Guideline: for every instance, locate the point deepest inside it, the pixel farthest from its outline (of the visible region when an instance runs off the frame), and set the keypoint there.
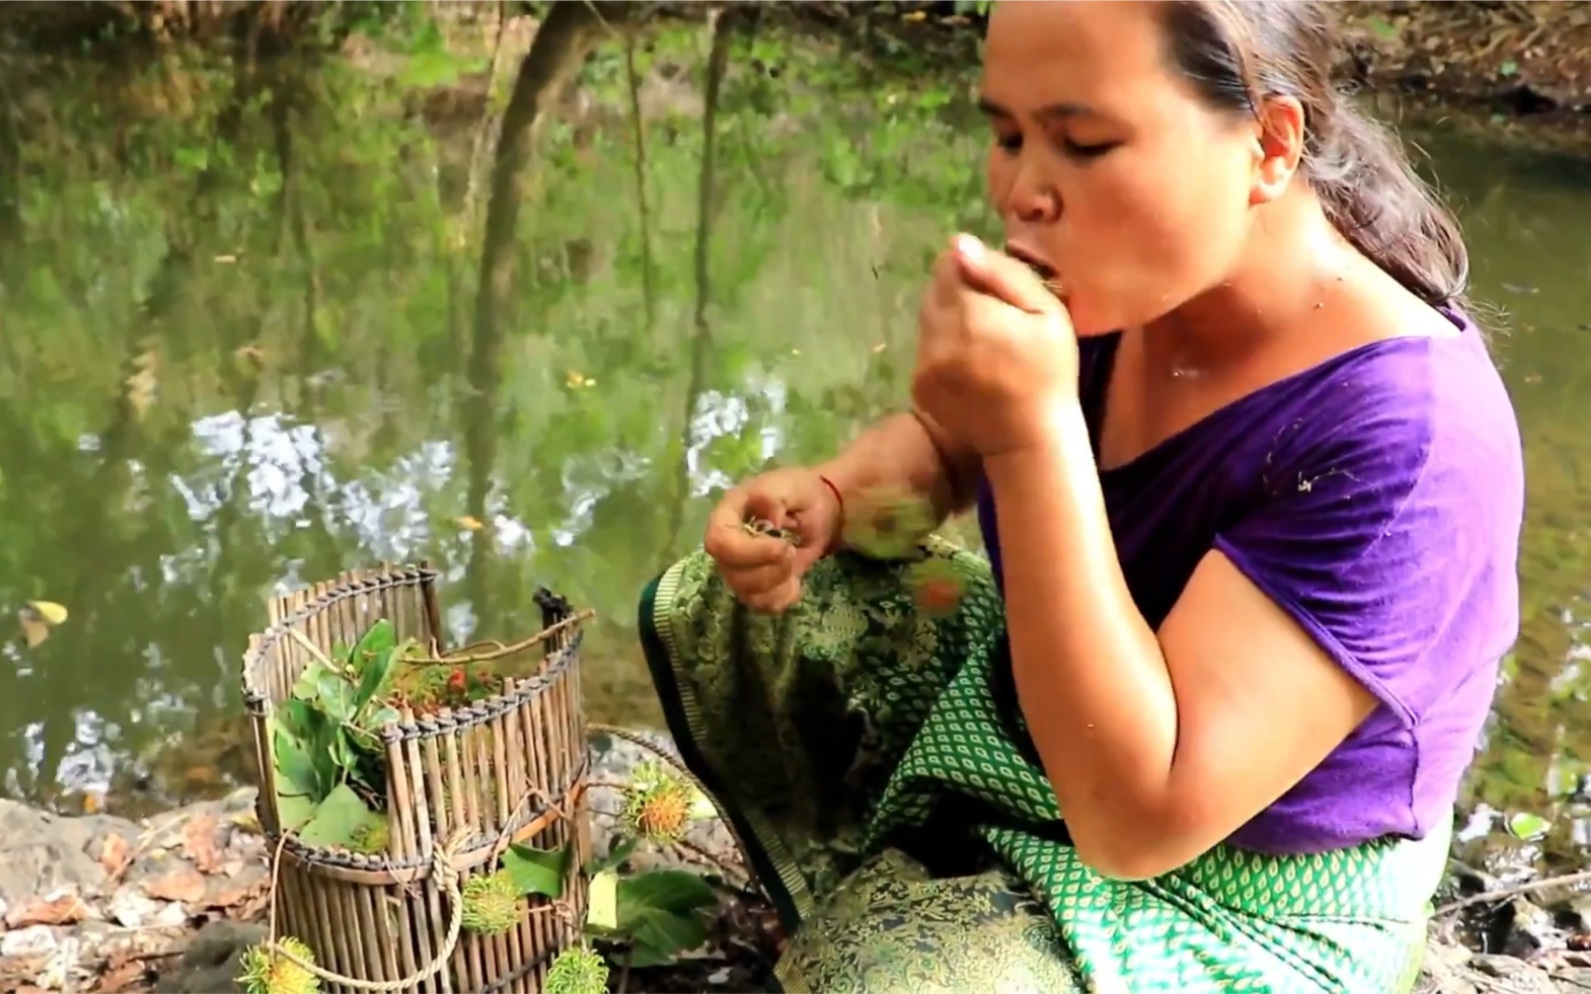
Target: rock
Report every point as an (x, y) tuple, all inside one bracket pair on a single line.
[(62, 906), (212, 960), (34, 940), (41, 852), (180, 883)]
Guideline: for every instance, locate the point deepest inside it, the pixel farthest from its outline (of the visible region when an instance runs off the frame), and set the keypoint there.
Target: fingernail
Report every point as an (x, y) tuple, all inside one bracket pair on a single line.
[(969, 248)]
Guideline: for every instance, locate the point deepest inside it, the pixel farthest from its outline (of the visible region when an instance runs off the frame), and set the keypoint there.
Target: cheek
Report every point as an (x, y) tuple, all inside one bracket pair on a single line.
[(999, 171), (1139, 246)]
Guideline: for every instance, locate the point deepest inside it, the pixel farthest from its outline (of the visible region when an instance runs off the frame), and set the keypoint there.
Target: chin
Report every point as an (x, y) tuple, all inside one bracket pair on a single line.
[(1090, 322)]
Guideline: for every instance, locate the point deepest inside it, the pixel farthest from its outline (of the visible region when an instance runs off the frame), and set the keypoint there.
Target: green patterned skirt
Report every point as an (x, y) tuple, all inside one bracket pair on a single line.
[(865, 748)]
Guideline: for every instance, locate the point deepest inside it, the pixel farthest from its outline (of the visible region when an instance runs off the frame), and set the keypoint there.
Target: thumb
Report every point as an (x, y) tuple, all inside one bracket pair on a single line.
[(999, 275)]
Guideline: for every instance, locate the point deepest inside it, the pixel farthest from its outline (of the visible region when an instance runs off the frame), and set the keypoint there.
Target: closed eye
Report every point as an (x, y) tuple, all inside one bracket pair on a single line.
[(1079, 151)]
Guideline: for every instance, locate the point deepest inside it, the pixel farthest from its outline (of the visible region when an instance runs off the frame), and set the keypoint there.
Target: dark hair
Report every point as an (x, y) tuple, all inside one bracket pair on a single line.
[(1238, 53)]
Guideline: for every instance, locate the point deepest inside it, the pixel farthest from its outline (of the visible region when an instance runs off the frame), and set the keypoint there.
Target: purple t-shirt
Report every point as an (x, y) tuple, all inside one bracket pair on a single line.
[(1378, 499)]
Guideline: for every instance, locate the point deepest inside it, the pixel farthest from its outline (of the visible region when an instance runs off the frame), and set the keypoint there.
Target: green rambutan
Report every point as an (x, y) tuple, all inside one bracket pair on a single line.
[(491, 904), (267, 971), (577, 970)]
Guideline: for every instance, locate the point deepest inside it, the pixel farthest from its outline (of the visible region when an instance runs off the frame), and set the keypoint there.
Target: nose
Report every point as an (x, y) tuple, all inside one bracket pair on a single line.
[(1031, 198)]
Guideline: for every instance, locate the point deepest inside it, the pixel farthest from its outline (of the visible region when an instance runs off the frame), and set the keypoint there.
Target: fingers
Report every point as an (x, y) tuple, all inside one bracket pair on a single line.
[(1001, 276), (762, 570), (731, 545)]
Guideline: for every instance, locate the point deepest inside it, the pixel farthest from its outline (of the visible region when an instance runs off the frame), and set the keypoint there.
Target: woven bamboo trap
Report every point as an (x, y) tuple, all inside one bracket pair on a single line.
[(427, 811)]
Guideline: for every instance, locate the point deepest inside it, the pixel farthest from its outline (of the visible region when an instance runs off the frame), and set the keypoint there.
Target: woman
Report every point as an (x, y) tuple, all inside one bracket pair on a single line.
[(1251, 490)]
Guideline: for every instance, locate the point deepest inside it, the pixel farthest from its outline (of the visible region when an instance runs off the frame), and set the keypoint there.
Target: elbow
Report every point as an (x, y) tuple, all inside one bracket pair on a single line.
[(1117, 862), (1154, 846)]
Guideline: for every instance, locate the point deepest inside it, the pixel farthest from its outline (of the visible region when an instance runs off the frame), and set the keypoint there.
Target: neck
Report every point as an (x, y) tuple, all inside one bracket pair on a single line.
[(1296, 262)]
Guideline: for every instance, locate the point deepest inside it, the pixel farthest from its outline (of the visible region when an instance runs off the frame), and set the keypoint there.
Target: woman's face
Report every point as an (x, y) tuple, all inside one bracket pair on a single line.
[(1103, 165)]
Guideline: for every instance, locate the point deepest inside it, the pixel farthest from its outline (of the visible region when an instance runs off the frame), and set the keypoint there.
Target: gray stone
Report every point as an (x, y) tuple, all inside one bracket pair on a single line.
[(42, 852), (34, 940), (212, 961)]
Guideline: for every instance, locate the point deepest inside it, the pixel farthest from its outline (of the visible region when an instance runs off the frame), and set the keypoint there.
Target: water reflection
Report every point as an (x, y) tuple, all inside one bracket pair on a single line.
[(250, 340)]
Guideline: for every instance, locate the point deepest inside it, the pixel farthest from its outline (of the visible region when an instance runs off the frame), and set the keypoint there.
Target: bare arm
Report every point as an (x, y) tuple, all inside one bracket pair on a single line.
[(1159, 744), (909, 449)]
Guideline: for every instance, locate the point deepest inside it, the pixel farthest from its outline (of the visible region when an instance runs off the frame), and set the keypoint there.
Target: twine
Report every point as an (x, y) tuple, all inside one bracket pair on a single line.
[(447, 874)]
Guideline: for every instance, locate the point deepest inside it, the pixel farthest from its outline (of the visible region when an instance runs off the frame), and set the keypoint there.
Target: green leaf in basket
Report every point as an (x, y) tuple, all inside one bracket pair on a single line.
[(378, 638), (340, 820), (538, 871), (372, 662), (334, 696), (602, 901), (294, 810), (293, 766)]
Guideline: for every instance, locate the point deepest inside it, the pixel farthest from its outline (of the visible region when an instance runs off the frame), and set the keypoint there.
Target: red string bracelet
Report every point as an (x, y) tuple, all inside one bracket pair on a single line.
[(840, 524)]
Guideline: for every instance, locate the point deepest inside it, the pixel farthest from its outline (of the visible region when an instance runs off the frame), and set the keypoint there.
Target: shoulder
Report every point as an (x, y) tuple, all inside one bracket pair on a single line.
[(1396, 427)]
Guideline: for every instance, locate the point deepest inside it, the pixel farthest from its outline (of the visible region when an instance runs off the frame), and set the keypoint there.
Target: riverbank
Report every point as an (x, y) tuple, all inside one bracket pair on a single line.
[(97, 903)]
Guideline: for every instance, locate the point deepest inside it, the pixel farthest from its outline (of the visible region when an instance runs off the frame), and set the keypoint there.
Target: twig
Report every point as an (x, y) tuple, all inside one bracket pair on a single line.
[(1504, 893), (729, 870), (624, 968), (458, 657)]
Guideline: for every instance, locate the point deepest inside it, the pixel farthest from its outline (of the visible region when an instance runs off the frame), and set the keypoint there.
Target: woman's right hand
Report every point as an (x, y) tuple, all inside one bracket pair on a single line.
[(765, 571)]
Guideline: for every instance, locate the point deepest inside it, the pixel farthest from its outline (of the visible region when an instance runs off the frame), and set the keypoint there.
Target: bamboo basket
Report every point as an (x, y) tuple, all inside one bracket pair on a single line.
[(456, 775)]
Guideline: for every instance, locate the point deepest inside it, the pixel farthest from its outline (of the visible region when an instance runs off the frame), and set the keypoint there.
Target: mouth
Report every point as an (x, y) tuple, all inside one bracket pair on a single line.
[(1041, 269)]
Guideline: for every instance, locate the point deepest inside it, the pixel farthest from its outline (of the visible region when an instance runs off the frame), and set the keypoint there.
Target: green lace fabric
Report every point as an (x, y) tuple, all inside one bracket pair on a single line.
[(861, 749)]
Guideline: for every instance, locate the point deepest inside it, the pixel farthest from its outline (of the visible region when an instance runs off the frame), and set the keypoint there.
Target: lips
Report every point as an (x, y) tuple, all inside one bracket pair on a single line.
[(1032, 259)]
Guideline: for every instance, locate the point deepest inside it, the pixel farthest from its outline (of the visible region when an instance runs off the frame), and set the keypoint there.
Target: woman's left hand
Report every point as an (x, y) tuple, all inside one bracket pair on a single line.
[(996, 353)]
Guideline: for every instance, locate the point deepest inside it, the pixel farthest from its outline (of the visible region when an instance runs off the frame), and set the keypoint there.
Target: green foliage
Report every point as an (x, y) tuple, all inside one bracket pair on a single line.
[(657, 914), (325, 743)]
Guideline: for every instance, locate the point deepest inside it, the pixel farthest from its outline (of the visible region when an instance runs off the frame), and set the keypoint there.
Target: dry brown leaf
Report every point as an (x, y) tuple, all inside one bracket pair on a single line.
[(37, 618), (231, 897), (198, 842), (185, 885), (115, 853), (63, 909)]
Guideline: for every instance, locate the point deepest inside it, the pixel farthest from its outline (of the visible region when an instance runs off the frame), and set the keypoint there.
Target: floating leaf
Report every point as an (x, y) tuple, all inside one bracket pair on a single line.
[(538, 871), (37, 618)]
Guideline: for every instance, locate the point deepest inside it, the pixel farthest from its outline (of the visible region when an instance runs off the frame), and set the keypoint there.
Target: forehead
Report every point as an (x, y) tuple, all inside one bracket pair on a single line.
[(1108, 55)]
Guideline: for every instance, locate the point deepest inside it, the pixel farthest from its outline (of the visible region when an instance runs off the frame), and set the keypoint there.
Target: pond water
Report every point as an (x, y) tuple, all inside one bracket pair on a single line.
[(242, 350)]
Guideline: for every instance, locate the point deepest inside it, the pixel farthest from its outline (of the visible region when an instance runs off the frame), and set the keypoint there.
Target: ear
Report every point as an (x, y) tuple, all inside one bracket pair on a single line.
[(1279, 147)]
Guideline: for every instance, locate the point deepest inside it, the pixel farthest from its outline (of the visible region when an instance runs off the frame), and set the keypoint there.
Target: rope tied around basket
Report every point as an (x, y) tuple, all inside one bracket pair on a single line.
[(447, 874)]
